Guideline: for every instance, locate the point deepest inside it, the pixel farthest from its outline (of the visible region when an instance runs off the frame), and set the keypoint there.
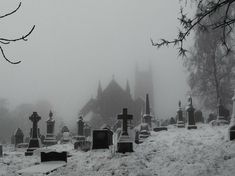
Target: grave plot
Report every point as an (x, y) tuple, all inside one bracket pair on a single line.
[(50, 162)]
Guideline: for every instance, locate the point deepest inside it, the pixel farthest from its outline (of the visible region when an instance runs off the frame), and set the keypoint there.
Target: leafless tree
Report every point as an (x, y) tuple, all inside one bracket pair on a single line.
[(205, 9), (6, 41)]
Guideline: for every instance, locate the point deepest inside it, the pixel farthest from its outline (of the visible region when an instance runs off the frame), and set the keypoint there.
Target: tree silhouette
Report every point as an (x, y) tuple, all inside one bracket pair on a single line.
[(6, 41), (205, 9)]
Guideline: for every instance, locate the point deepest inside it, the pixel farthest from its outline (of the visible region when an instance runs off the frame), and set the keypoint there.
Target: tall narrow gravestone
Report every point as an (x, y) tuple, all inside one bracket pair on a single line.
[(190, 113), (34, 142), (180, 120), (221, 113), (147, 118), (232, 122), (80, 124), (50, 137), (1, 150), (18, 137), (124, 143)]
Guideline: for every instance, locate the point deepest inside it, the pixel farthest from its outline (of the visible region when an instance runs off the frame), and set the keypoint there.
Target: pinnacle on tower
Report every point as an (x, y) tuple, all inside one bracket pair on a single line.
[(147, 109)]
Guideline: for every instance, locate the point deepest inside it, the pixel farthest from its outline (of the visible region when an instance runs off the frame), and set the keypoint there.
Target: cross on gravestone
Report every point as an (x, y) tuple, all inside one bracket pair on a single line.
[(124, 143), (35, 119), (34, 142), (125, 117)]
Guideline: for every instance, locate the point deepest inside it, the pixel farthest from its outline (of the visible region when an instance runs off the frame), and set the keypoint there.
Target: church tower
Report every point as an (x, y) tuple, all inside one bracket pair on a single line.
[(144, 85)]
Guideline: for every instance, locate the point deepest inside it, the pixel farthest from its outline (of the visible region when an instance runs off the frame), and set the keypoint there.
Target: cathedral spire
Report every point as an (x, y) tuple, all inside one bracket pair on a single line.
[(147, 109), (128, 90), (99, 91)]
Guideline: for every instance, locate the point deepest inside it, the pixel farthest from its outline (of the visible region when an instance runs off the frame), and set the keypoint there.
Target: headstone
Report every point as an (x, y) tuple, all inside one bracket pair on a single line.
[(65, 135), (50, 136), (100, 139), (198, 116), (110, 134), (124, 143), (87, 130), (232, 122), (80, 124), (144, 132), (34, 142), (19, 136), (180, 120), (221, 113), (190, 114), (147, 117), (27, 139), (1, 150)]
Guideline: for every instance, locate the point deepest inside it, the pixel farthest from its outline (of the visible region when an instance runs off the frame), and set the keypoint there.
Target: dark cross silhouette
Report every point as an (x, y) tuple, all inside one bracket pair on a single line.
[(124, 117), (35, 118)]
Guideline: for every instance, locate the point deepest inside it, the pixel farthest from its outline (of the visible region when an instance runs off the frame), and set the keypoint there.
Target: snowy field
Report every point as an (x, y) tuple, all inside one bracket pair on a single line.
[(176, 152)]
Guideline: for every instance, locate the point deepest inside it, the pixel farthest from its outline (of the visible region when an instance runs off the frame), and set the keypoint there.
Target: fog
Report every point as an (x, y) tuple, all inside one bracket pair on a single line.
[(77, 43)]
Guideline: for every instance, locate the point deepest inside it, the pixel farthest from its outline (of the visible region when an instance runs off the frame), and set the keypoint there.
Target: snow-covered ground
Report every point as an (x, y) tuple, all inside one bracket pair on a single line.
[(205, 152)]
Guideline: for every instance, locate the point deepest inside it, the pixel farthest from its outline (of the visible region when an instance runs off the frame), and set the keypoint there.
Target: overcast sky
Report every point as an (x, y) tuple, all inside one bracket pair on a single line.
[(76, 43)]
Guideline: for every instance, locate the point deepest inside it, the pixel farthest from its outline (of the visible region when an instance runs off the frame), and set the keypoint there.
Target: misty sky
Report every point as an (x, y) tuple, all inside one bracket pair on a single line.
[(76, 43)]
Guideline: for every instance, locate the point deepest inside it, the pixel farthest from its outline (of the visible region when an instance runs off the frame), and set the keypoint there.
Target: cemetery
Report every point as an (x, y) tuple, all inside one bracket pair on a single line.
[(145, 153), (86, 90)]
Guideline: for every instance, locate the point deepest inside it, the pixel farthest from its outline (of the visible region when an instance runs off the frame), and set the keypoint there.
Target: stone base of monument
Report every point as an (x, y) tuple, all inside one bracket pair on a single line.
[(180, 124), (232, 133), (124, 144), (50, 140), (192, 127), (33, 145), (157, 129)]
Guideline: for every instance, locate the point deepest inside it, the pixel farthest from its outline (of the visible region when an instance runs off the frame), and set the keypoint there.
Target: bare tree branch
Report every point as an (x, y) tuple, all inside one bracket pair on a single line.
[(4, 56), (3, 16)]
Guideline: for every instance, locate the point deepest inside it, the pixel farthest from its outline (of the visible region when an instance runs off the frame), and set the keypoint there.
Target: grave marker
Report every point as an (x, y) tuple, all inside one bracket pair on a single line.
[(147, 118), (180, 120), (190, 113), (34, 142), (124, 143), (18, 137), (232, 122), (1, 150), (50, 137)]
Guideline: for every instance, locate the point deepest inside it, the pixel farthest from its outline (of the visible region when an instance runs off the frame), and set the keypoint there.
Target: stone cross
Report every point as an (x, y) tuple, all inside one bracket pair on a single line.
[(35, 118), (125, 117)]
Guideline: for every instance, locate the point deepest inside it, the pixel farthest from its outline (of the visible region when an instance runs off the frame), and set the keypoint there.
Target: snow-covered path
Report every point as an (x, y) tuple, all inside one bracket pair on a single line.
[(177, 152)]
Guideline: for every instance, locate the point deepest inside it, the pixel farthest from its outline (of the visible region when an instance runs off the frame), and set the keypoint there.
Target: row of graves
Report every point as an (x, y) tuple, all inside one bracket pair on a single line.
[(103, 138)]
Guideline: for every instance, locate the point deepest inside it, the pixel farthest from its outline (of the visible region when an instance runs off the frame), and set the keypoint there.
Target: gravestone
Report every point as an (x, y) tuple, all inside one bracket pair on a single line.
[(1, 152), (80, 124), (65, 135), (124, 143), (232, 122), (19, 136), (50, 136), (222, 112), (190, 113), (144, 132), (100, 139), (80, 138), (34, 142), (110, 134), (147, 118), (87, 130), (180, 120)]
